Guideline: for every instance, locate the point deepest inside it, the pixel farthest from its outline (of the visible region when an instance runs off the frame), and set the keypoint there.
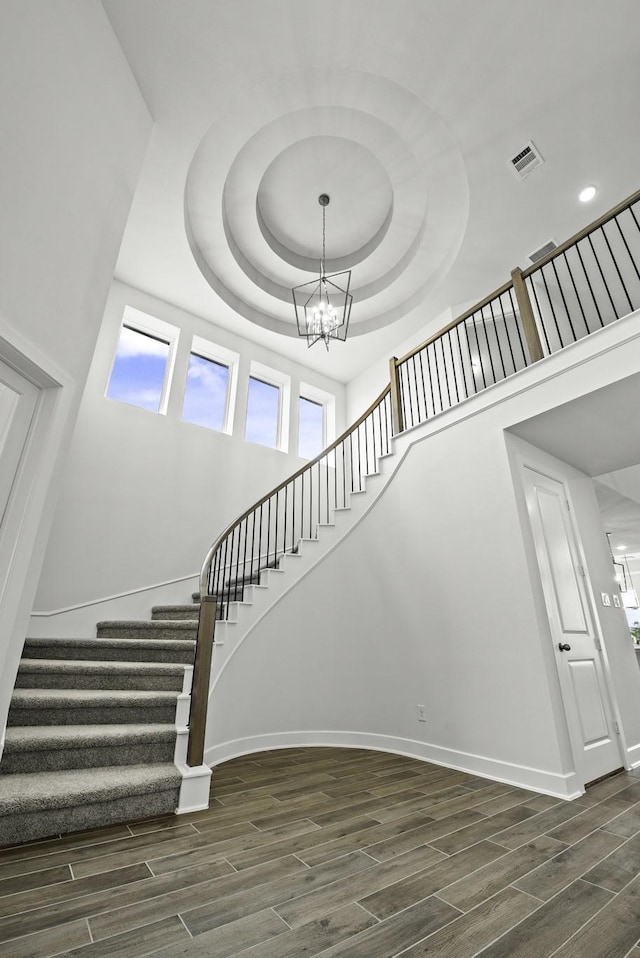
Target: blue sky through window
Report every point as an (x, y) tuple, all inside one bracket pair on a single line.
[(205, 397), (263, 403), (310, 428), (139, 369)]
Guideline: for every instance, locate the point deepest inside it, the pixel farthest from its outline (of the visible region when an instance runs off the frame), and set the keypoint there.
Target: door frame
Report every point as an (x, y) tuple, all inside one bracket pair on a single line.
[(29, 510)]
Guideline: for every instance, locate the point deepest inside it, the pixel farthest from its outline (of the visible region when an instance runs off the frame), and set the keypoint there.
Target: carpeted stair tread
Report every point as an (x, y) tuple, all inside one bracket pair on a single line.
[(191, 607), (98, 698), (29, 792), (159, 649), (96, 665), (46, 737), (158, 628), (154, 626)]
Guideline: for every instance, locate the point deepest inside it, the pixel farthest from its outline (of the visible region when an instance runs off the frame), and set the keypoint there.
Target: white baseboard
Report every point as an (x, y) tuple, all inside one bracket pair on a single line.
[(520, 776), (633, 756)]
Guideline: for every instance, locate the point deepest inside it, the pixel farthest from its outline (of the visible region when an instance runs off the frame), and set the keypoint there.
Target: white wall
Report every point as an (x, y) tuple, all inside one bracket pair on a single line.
[(431, 599), (144, 495), (74, 132)]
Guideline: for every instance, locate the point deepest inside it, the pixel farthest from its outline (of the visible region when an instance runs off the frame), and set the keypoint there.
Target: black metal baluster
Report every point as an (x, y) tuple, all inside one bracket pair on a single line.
[(564, 301), (409, 390), (433, 398), (615, 263), (424, 391), (495, 328), (464, 375), (575, 290), (221, 591), (586, 276), (444, 368), (626, 246), (489, 351), (606, 286), (553, 312), (480, 363), (431, 362), (344, 473), (245, 523), (453, 366), (506, 329)]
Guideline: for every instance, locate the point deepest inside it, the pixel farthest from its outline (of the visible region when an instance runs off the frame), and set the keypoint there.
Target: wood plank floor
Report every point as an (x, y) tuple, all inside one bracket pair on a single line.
[(344, 854)]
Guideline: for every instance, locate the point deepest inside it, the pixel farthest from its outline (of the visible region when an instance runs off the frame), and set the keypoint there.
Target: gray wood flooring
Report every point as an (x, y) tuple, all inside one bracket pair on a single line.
[(344, 854)]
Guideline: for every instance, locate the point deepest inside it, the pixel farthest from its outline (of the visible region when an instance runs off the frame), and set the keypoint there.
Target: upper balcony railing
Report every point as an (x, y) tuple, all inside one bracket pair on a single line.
[(583, 285), (580, 287)]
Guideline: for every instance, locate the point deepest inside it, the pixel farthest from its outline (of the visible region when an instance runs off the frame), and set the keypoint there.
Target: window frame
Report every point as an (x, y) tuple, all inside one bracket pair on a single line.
[(282, 382), (157, 329), (204, 349), (328, 402)]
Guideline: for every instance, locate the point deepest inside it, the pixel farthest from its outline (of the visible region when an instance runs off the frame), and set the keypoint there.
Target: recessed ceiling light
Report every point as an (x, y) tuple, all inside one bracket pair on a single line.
[(621, 547), (587, 194)]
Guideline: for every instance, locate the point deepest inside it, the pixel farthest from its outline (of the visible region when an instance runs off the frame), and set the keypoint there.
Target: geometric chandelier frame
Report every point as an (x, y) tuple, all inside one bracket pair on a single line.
[(323, 305)]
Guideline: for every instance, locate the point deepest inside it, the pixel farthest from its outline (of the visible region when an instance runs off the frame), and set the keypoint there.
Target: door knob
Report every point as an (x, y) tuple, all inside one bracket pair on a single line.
[(564, 647)]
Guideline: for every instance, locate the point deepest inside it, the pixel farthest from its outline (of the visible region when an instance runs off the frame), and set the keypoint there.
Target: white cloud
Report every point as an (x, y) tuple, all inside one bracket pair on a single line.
[(133, 343)]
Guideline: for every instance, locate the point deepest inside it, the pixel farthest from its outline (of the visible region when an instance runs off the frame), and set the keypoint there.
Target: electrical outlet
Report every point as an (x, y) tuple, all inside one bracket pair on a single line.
[(421, 716)]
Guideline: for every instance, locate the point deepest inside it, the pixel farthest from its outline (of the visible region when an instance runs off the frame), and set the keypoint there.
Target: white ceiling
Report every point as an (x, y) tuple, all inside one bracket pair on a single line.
[(406, 112)]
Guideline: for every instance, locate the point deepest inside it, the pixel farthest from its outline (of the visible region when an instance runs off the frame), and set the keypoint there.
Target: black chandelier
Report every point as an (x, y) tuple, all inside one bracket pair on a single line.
[(323, 306)]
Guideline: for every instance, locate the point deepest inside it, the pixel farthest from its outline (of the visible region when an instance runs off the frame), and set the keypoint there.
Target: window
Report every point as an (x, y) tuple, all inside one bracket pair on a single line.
[(263, 413), (310, 428), (143, 362), (316, 420), (268, 400), (205, 397)]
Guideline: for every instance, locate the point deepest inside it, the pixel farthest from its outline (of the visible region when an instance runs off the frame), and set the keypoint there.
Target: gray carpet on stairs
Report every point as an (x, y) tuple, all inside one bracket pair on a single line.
[(91, 732)]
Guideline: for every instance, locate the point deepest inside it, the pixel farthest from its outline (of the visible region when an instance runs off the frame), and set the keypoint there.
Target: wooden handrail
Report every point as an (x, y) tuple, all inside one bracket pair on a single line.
[(613, 212), (452, 325), (236, 522)]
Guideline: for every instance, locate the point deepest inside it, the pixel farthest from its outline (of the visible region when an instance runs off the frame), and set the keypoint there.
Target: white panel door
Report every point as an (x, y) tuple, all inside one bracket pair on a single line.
[(18, 400), (586, 699)]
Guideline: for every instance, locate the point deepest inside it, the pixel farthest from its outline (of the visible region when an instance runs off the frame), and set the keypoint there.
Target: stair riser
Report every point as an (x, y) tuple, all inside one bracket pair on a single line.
[(87, 715), (65, 680), (113, 654), (27, 827), (174, 615), (56, 760), (145, 632)]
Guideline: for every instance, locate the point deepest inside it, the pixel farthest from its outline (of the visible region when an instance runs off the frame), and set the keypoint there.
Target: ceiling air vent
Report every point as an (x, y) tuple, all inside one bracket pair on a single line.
[(526, 160), (539, 254)]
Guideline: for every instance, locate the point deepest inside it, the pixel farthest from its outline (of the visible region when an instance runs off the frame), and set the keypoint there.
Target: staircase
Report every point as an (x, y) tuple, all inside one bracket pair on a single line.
[(96, 726)]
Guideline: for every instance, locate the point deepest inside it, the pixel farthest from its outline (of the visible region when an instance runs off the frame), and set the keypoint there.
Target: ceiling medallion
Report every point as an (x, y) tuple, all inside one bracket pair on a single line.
[(323, 306)]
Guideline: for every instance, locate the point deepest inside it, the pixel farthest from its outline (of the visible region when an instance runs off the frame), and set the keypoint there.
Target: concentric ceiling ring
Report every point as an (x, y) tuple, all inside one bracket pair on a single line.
[(399, 196)]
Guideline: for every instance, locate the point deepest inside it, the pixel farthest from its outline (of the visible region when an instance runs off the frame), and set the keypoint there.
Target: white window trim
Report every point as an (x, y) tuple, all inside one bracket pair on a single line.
[(226, 357), (283, 383), (328, 402), (158, 329)]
